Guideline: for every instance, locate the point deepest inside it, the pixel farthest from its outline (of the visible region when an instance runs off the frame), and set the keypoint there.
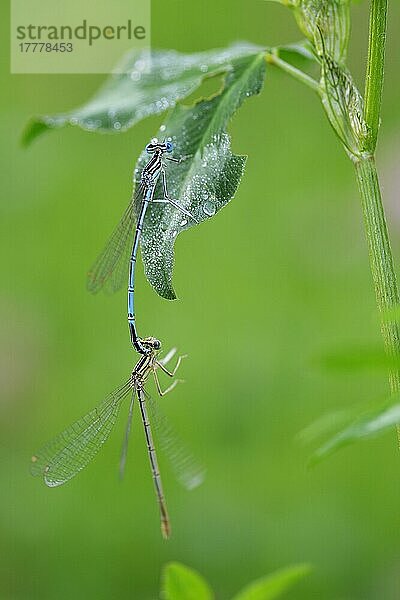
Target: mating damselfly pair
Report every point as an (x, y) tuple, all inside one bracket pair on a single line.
[(67, 454)]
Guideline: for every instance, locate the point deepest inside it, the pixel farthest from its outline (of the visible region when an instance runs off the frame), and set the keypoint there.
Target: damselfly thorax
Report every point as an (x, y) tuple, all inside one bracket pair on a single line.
[(147, 364)]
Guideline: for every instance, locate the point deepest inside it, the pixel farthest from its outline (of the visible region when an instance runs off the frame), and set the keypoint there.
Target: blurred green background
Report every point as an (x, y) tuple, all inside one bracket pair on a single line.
[(276, 281)]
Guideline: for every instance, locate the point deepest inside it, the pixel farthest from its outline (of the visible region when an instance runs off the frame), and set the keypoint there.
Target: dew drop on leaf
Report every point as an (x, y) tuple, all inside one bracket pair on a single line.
[(209, 208)]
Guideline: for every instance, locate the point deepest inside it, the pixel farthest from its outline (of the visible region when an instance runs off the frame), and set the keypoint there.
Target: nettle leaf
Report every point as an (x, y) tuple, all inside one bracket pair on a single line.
[(182, 583), (368, 425), (207, 179), (145, 83), (274, 585)]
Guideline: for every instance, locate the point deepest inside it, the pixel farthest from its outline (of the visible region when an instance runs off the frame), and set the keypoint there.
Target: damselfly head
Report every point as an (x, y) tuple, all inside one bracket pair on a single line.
[(167, 144), (152, 343), (164, 146), (152, 146)]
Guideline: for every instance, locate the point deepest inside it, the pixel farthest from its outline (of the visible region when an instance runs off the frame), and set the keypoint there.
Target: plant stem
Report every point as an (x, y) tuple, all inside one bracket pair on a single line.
[(273, 59), (375, 71), (381, 259), (380, 253)]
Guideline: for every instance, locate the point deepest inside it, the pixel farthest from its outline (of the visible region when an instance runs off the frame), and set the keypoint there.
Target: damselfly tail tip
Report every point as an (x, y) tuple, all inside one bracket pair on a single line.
[(165, 529)]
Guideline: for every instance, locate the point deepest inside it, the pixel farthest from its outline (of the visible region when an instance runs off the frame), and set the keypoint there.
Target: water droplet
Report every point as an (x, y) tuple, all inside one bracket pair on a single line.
[(209, 208), (163, 128), (184, 222), (117, 125), (141, 65)]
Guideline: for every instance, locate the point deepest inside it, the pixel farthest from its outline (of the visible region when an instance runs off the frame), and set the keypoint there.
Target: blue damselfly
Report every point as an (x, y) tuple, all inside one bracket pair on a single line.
[(68, 453), (109, 269)]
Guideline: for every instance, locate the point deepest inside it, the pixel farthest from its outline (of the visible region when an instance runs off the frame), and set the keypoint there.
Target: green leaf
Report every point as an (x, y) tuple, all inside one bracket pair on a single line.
[(145, 83), (207, 179), (35, 128), (326, 424), (274, 585), (182, 583), (369, 425)]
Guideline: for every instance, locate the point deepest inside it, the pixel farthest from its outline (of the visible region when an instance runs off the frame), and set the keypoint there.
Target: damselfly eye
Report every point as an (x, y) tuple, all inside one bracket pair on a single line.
[(157, 344), (169, 146)]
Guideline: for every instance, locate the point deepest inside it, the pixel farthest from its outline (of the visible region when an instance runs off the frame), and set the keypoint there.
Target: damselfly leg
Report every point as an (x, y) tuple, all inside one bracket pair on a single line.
[(162, 366), (172, 202)]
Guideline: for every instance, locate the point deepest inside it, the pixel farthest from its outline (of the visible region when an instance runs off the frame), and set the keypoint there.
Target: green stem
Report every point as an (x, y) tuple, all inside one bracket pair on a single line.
[(381, 259), (274, 59), (375, 71), (380, 253)]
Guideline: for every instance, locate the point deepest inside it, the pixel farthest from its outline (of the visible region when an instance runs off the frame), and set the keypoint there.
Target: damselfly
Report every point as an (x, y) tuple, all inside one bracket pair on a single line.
[(69, 452), (109, 268)]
